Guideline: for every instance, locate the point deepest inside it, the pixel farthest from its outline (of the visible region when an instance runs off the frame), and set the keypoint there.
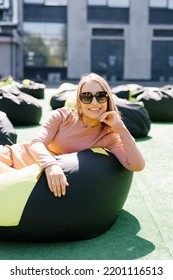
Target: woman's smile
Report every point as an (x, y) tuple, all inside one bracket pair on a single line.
[(94, 109), (91, 112)]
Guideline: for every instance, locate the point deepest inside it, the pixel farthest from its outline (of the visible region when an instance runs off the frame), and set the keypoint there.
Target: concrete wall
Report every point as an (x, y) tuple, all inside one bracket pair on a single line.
[(78, 39), (137, 42), (5, 59), (11, 50), (11, 62), (137, 38)]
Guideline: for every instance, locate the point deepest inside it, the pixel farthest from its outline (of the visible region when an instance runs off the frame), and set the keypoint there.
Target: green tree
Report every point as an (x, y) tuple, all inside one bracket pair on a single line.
[(37, 47)]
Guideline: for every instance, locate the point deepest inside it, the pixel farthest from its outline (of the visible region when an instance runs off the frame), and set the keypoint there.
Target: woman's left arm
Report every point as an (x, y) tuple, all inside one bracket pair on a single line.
[(122, 144)]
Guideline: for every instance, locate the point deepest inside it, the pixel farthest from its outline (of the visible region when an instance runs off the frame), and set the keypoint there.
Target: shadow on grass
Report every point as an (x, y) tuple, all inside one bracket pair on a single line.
[(162, 122), (120, 242), (26, 127), (143, 139)]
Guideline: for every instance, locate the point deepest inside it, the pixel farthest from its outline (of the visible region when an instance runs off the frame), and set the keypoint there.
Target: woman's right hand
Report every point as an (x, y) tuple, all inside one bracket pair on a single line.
[(56, 179)]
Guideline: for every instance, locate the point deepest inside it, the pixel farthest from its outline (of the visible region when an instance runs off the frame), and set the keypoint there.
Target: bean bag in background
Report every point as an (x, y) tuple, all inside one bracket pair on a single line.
[(121, 91), (63, 93), (125, 91), (98, 188), (8, 135), (135, 94), (135, 117), (21, 109), (33, 89), (158, 102), (6, 81), (168, 88)]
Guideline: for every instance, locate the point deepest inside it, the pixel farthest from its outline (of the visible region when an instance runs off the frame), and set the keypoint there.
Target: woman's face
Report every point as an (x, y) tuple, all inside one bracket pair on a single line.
[(91, 112)]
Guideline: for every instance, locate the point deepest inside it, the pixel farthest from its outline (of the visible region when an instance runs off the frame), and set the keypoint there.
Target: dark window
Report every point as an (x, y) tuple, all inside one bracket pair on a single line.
[(107, 32), (41, 13), (162, 60), (108, 15), (163, 33), (107, 58), (160, 16)]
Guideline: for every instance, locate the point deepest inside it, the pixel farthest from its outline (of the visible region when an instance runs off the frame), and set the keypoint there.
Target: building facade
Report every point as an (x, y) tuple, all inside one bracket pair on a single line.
[(119, 39), (11, 38)]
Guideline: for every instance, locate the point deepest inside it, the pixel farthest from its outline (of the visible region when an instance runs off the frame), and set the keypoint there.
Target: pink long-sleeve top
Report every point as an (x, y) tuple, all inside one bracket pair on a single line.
[(64, 132)]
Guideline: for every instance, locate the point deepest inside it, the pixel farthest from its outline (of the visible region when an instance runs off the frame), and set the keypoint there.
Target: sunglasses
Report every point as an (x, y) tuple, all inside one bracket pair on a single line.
[(87, 97)]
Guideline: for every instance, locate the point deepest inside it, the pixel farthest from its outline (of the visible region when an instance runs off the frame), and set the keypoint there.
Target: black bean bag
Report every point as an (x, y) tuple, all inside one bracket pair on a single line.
[(65, 91), (167, 88), (33, 89), (125, 91), (98, 188), (20, 108), (135, 117), (8, 135), (158, 102)]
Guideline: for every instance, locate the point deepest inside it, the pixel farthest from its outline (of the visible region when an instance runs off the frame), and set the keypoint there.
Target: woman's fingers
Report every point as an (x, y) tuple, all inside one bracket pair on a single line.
[(57, 181), (63, 184), (110, 118), (107, 117), (55, 185), (58, 185)]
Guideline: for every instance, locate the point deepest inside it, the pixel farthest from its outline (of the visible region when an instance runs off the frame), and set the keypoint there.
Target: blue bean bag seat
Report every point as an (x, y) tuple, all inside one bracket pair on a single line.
[(98, 188)]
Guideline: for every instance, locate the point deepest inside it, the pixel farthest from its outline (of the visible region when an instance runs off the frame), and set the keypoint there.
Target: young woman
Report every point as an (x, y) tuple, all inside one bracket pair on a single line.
[(95, 122)]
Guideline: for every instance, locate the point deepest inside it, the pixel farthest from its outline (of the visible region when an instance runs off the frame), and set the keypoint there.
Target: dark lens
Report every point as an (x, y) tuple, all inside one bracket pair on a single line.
[(101, 96), (86, 97)]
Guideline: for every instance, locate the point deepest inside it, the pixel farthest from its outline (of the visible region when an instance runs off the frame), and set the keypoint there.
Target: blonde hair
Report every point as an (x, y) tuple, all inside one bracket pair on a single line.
[(97, 78)]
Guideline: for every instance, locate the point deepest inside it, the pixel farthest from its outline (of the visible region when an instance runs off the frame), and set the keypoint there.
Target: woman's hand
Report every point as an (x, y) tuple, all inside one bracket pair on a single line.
[(56, 179), (111, 119)]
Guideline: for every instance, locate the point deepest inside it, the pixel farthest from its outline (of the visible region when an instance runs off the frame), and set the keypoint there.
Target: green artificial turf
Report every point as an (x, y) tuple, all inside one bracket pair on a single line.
[(144, 230)]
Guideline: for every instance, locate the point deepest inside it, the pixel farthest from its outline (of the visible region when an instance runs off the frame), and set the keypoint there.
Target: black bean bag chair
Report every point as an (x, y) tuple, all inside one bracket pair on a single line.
[(65, 91), (125, 91), (135, 117), (8, 135), (98, 188), (167, 88), (33, 89), (21, 109), (158, 102)]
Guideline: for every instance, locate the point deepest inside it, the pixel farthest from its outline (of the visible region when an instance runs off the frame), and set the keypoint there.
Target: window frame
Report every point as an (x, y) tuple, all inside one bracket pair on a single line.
[(110, 3), (168, 4)]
